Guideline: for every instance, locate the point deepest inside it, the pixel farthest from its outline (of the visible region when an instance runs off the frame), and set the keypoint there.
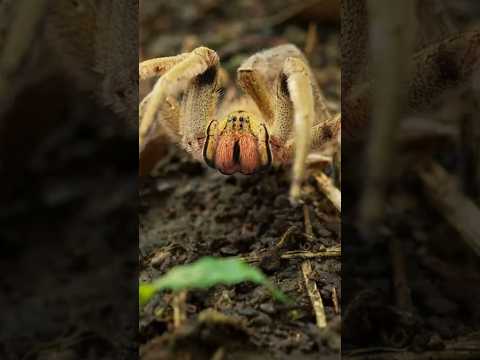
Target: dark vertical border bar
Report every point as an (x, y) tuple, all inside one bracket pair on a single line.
[(68, 176)]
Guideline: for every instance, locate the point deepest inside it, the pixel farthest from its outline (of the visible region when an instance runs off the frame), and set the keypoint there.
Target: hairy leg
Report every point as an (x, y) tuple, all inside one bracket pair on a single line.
[(300, 90), (176, 74), (198, 109), (158, 66), (168, 114)]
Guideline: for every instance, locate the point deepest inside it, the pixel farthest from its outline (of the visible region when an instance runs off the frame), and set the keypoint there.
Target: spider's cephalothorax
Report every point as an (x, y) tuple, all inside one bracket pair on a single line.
[(278, 120), (238, 143)]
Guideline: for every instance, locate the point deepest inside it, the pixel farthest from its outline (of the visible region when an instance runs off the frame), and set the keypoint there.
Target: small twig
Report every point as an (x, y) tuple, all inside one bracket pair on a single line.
[(307, 222), (179, 309), (314, 294), (336, 306), (328, 188), (330, 252), (311, 285), (460, 211), (334, 251), (285, 236)]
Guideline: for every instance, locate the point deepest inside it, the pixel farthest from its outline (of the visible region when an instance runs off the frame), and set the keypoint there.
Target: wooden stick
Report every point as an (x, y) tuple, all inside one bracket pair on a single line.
[(334, 251), (336, 306), (311, 285), (314, 294), (179, 308), (328, 188)]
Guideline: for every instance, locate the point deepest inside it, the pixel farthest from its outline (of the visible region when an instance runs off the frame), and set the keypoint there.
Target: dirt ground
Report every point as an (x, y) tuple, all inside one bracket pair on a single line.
[(188, 211)]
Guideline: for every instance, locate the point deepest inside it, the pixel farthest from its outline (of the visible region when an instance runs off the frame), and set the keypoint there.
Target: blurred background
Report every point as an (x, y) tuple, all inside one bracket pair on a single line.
[(411, 179)]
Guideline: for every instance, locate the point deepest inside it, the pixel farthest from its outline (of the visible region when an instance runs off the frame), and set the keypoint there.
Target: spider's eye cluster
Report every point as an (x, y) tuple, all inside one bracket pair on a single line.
[(237, 144)]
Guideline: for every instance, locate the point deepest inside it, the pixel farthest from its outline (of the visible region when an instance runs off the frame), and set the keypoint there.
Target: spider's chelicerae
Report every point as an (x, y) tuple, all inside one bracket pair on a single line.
[(281, 118)]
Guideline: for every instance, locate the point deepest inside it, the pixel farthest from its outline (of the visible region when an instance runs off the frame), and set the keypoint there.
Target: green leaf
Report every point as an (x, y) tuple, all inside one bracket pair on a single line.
[(145, 292), (205, 273)]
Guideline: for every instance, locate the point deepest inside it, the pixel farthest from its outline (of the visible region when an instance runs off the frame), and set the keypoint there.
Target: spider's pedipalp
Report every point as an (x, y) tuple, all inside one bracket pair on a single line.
[(255, 85)]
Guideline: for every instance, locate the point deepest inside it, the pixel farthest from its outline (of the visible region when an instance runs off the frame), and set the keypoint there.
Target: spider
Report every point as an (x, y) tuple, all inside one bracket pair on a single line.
[(281, 117)]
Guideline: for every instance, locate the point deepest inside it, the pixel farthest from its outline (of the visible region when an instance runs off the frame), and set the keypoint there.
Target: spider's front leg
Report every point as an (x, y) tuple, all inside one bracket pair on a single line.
[(314, 127), (196, 74), (300, 90)]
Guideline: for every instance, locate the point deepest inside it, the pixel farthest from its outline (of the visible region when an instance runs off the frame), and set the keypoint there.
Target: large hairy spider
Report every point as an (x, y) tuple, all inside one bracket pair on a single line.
[(280, 120)]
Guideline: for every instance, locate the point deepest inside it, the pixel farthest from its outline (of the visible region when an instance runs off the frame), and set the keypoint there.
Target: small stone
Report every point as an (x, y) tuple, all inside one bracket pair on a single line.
[(229, 250), (268, 308)]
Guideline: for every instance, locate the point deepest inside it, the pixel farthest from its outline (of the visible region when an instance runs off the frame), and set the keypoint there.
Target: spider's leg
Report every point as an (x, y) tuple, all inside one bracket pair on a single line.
[(158, 66), (198, 108), (177, 72), (168, 114), (299, 85)]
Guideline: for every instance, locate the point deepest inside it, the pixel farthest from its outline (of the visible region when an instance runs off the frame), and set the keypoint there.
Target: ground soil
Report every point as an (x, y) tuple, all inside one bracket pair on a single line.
[(189, 211)]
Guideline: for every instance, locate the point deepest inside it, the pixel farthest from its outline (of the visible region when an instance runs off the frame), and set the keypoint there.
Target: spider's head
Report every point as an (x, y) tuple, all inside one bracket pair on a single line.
[(238, 143)]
